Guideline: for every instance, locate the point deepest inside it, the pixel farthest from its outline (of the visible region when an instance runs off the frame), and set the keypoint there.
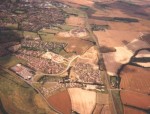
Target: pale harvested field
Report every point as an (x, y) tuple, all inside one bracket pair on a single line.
[(135, 99), (137, 44), (143, 53), (115, 38), (102, 98), (90, 56), (130, 110), (147, 64), (114, 60), (79, 2), (83, 101), (75, 21)]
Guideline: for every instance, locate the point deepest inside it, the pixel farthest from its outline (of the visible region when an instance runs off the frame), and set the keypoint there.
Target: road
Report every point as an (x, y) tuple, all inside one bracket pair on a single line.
[(106, 76), (33, 88)]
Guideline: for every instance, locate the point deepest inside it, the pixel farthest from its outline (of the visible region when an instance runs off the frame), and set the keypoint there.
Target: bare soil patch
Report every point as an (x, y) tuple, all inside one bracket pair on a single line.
[(143, 53), (131, 110), (135, 99), (102, 98), (114, 60), (135, 79), (61, 102), (79, 2), (75, 21), (90, 56), (137, 44), (115, 38)]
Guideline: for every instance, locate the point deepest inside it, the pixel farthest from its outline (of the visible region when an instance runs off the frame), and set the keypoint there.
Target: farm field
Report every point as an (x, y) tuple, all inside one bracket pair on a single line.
[(74, 56), (57, 101)]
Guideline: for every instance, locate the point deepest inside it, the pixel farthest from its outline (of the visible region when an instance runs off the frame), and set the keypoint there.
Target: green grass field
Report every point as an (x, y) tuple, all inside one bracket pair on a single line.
[(10, 60), (74, 11), (47, 37), (16, 96), (28, 34)]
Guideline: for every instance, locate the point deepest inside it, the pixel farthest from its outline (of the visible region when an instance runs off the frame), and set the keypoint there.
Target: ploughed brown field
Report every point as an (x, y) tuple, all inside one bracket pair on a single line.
[(135, 79), (101, 109), (98, 109), (131, 110), (135, 89), (135, 99), (75, 21), (61, 102)]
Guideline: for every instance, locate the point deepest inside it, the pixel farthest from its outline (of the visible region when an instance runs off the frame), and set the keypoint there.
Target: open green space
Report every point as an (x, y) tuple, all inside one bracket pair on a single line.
[(17, 96), (11, 26), (47, 37), (74, 11), (28, 34), (10, 60), (66, 27)]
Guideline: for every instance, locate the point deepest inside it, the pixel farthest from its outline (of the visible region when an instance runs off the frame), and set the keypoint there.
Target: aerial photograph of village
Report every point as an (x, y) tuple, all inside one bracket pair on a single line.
[(74, 56)]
